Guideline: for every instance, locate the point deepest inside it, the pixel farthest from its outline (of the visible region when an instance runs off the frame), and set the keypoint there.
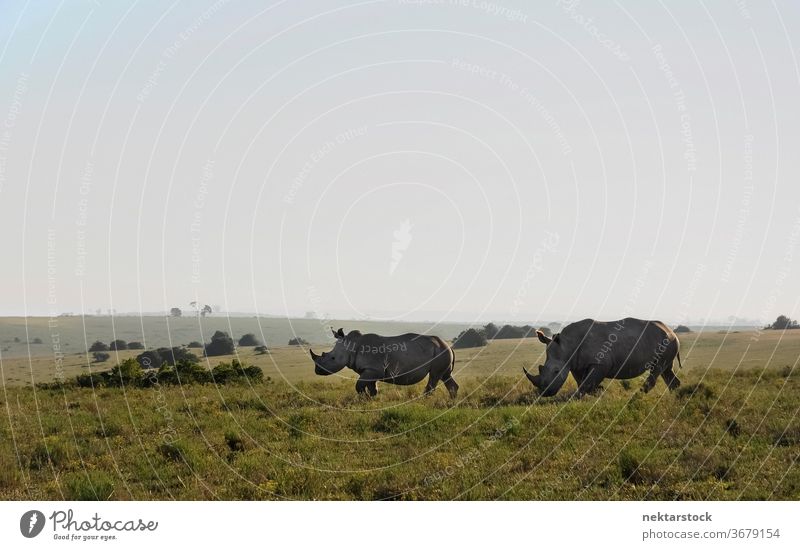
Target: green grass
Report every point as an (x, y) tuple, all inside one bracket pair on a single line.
[(731, 432), (319, 440)]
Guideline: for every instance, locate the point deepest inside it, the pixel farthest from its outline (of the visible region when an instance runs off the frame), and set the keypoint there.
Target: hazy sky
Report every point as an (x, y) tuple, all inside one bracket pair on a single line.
[(405, 159)]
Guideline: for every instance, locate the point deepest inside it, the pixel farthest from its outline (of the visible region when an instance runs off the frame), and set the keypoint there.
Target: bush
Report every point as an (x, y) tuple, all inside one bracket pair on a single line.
[(510, 331), (261, 350), (130, 373), (36, 341), (153, 359), (298, 342), (194, 344), (249, 340), (98, 346), (221, 344), (470, 338), (490, 330), (101, 356), (783, 323), (682, 329), (126, 373), (135, 345), (118, 345), (235, 372)]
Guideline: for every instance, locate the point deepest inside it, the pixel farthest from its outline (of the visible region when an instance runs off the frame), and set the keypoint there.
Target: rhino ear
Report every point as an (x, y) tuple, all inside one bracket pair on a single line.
[(340, 334), (334, 333), (542, 338)]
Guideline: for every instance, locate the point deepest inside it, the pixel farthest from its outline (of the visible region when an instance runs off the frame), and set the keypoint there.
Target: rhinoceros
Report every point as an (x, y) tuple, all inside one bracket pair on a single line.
[(594, 350), (401, 360)]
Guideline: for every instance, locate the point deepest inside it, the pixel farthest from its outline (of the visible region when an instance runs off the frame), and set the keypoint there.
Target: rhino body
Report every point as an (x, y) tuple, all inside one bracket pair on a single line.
[(403, 360), (595, 350)]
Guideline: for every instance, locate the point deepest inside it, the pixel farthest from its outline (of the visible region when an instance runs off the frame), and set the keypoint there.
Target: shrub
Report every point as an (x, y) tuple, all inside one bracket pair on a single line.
[(135, 345), (194, 344), (510, 331), (150, 359), (235, 371), (470, 338), (490, 330), (129, 372), (154, 359), (183, 372), (783, 323), (36, 341), (101, 356), (221, 344), (298, 342), (118, 345), (261, 350), (98, 346), (249, 340), (682, 329)]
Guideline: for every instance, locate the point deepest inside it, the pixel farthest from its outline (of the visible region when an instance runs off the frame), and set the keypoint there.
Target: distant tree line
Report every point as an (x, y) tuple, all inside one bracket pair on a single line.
[(477, 337)]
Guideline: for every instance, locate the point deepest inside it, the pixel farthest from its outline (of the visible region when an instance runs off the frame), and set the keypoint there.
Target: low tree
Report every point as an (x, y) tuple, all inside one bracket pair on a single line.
[(682, 329), (135, 345), (298, 342), (261, 350), (490, 330), (470, 338), (249, 340), (206, 310), (783, 323), (98, 346), (101, 356), (194, 344), (175, 312), (118, 345), (221, 344)]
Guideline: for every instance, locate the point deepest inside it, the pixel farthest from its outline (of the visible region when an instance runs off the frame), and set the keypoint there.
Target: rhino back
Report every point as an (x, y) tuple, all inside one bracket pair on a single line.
[(625, 346)]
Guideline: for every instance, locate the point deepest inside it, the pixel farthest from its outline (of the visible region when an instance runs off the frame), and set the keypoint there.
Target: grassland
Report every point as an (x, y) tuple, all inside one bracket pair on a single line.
[(732, 432)]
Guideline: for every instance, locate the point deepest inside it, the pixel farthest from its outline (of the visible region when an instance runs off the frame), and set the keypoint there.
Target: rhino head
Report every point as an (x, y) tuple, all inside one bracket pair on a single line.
[(339, 357), (555, 370)]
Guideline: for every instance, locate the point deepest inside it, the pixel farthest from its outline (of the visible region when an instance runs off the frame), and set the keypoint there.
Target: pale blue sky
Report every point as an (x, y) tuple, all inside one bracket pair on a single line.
[(554, 160)]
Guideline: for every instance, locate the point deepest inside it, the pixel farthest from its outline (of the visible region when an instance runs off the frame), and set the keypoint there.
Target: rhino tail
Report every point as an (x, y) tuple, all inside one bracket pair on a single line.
[(678, 355)]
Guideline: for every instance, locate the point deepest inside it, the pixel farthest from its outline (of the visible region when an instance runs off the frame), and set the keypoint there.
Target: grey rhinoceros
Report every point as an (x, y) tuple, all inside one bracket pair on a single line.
[(401, 360), (594, 350)]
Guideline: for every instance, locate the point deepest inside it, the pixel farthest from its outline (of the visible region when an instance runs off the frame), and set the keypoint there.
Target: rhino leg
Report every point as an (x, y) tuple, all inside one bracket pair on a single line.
[(366, 387), (589, 380), (651, 380), (431, 385), (451, 386), (669, 377)]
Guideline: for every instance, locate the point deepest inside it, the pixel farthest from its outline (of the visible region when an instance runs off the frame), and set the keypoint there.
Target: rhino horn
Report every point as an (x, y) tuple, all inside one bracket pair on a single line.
[(313, 355), (534, 379)]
